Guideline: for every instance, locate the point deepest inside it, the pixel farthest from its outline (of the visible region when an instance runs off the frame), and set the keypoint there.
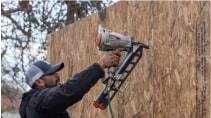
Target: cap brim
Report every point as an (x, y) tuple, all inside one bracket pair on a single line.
[(55, 68)]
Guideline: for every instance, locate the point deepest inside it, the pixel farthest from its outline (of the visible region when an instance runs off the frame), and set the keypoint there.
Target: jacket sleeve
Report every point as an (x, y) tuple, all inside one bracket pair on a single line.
[(58, 98)]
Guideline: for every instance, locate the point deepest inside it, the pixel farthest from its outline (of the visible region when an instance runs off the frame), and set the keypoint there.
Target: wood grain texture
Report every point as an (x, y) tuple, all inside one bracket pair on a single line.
[(173, 77)]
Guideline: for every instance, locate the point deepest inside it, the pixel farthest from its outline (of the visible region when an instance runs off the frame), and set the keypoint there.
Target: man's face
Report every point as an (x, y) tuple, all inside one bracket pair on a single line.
[(51, 80)]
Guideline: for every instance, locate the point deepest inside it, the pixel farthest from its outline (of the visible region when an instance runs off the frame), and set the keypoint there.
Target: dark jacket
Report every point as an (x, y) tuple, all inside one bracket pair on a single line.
[(53, 102)]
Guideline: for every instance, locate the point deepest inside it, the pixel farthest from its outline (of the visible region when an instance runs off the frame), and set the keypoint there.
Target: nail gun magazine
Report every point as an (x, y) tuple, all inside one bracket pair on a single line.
[(116, 76)]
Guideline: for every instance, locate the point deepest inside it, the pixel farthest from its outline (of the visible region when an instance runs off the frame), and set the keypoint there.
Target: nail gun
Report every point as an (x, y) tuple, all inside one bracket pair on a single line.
[(116, 76)]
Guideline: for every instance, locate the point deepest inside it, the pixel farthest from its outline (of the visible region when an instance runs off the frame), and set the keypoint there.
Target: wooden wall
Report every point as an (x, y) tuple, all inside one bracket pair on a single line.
[(173, 77)]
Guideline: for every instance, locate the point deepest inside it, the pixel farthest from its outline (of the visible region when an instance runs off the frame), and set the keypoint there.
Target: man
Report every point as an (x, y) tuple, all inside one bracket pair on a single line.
[(48, 99)]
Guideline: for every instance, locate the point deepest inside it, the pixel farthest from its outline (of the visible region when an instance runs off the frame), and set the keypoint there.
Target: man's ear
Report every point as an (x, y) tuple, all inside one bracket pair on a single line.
[(40, 83)]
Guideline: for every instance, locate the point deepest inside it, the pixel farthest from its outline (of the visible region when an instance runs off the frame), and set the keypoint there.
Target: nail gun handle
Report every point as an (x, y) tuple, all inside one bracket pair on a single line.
[(144, 45)]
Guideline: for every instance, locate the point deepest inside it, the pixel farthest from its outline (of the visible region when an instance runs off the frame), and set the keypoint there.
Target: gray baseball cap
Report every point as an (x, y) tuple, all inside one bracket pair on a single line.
[(39, 69)]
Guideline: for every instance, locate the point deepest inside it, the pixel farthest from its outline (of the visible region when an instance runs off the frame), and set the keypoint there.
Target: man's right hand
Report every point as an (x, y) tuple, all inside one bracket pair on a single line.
[(110, 60)]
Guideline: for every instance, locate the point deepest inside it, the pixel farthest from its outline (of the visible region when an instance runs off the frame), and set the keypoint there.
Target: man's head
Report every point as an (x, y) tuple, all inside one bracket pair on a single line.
[(42, 74), (47, 81)]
